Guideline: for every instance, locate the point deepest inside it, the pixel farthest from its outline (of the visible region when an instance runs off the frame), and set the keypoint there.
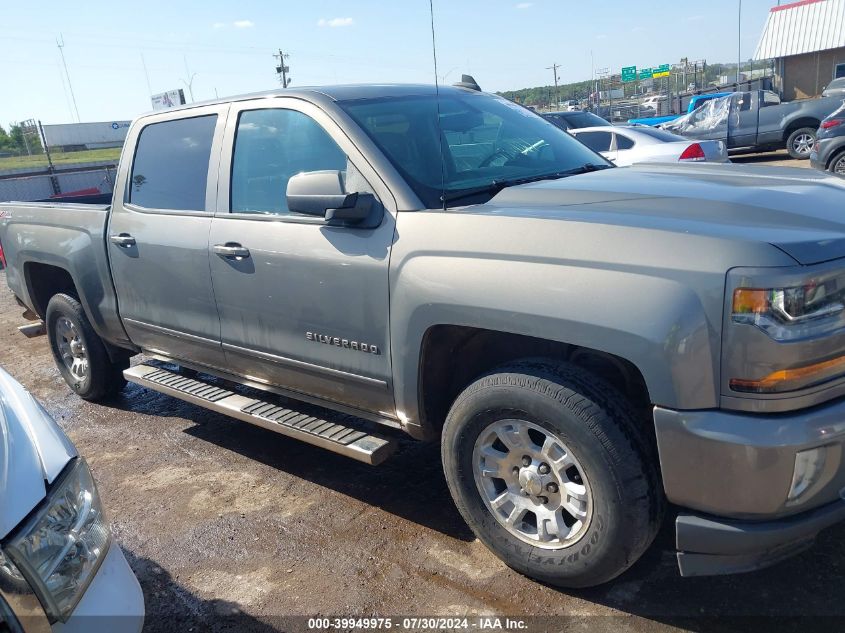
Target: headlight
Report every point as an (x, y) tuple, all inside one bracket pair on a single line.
[(60, 548), (788, 314)]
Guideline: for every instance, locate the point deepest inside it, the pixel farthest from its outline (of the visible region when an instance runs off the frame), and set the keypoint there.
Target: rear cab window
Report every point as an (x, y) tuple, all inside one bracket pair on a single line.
[(170, 167)]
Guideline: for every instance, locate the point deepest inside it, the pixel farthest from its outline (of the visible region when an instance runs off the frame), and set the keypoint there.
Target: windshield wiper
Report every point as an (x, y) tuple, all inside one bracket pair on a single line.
[(497, 185), (587, 168)]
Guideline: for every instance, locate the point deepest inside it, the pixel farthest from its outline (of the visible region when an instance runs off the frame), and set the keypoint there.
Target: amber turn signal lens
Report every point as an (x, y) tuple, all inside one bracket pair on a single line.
[(750, 301), (791, 379)]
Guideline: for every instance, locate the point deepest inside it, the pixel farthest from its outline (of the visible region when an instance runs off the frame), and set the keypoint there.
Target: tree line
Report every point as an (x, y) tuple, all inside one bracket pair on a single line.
[(13, 141)]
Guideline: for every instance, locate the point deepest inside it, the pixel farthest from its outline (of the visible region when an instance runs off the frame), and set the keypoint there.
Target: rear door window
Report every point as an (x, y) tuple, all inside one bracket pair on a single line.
[(596, 141), (623, 142), (170, 169)]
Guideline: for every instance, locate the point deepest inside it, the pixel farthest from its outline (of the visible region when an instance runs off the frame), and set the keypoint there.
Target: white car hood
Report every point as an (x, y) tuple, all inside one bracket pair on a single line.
[(33, 451)]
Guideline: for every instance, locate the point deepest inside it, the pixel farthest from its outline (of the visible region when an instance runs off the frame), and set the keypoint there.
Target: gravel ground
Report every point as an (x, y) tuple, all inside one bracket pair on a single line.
[(231, 528), (776, 159)]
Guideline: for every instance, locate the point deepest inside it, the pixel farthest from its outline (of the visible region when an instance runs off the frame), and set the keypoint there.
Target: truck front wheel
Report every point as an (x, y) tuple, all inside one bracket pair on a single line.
[(550, 470), (79, 353)]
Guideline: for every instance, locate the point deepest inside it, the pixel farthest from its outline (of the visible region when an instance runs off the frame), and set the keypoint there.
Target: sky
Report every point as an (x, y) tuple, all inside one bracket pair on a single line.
[(226, 47)]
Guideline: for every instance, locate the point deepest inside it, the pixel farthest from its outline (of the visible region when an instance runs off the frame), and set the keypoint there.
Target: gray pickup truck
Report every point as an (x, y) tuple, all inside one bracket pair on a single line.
[(588, 344), (757, 121)]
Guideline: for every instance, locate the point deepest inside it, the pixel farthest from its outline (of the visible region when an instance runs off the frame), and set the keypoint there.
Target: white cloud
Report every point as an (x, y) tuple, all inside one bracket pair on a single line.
[(335, 22), (524, 5), (243, 24)]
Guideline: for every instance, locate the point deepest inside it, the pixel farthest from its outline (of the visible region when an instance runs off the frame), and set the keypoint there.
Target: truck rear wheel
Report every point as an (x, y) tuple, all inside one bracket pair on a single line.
[(801, 142), (79, 353), (548, 467)]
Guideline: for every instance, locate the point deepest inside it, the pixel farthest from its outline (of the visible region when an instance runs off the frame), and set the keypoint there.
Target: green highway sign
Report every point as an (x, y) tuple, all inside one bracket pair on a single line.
[(645, 73), (629, 73), (661, 71)]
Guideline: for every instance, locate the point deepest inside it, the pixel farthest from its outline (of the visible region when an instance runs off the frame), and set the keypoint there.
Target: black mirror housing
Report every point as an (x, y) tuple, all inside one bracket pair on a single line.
[(321, 193)]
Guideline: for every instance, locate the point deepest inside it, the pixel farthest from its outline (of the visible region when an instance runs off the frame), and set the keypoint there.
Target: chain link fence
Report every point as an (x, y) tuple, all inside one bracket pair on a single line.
[(84, 181), (42, 161), (664, 91)]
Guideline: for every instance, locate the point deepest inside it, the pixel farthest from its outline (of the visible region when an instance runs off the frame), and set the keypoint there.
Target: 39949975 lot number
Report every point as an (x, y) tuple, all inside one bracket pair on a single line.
[(409, 624)]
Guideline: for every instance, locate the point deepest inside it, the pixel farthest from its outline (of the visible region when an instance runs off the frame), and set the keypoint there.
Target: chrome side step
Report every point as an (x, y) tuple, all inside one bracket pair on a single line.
[(345, 438)]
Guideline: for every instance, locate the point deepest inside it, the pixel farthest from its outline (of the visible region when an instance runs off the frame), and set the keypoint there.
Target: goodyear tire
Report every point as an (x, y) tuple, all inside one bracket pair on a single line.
[(549, 468), (79, 352)]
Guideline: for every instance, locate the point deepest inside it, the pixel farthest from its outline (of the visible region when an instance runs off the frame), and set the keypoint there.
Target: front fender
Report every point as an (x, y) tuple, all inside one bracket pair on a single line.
[(658, 324)]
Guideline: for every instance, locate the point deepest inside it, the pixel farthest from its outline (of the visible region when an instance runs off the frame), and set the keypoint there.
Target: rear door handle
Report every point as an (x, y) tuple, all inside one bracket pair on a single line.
[(123, 239), (230, 249)]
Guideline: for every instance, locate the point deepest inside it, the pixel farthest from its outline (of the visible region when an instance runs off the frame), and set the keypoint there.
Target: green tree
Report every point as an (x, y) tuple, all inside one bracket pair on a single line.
[(5, 139)]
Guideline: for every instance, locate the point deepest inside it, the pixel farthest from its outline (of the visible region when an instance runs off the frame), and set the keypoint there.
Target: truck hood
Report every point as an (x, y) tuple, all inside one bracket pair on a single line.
[(33, 451), (799, 211)]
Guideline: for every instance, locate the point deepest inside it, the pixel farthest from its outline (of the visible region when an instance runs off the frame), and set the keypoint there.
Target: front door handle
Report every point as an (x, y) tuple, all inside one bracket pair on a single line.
[(230, 249), (124, 239)]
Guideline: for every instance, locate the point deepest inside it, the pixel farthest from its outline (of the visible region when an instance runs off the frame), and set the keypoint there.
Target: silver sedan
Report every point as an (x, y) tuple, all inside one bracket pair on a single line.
[(625, 145)]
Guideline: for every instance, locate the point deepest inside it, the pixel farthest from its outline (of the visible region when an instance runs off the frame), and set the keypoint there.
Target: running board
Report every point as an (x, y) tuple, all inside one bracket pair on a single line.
[(344, 439)]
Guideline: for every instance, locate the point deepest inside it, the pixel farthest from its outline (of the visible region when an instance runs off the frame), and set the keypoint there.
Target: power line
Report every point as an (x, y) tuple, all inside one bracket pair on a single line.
[(61, 43)]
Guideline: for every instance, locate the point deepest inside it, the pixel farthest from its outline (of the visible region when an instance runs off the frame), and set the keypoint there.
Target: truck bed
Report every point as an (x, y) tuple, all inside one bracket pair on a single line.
[(70, 236)]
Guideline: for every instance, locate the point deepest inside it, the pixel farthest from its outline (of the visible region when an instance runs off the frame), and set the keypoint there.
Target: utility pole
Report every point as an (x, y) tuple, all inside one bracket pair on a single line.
[(554, 68), (61, 44), (738, 43), (282, 69)]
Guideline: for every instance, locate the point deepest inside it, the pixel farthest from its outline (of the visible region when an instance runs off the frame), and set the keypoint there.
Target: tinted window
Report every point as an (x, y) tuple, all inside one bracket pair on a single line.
[(557, 120), (840, 71), (585, 119), (483, 139), (770, 98), (596, 141), (270, 147), (170, 170), (623, 142)]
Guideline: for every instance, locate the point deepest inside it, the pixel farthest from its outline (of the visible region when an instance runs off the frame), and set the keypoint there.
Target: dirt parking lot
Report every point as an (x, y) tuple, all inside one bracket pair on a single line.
[(232, 528), (772, 159)]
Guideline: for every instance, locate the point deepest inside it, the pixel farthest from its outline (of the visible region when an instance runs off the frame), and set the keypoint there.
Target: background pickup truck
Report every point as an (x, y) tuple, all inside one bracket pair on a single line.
[(587, 343), (758, 121), (694, 102)]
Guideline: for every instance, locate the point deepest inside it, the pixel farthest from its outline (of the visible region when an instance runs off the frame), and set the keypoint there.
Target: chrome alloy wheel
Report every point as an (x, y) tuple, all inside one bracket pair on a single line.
[(803, 144), (532, 484), (839, 166), (72, 348)]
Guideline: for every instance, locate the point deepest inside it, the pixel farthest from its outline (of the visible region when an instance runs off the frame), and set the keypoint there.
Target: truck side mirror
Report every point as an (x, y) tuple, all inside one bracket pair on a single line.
[(321, 193)]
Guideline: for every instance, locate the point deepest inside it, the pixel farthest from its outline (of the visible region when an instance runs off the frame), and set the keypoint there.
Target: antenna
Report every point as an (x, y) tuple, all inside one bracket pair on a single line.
[(437, 100), (60, 42)]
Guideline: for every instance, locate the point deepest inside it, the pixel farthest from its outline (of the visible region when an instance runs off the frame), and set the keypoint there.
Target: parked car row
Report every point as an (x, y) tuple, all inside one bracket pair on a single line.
[(627, 145)]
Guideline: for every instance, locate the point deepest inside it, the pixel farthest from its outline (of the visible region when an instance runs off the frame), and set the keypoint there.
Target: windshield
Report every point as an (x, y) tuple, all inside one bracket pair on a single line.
[(486, 141)]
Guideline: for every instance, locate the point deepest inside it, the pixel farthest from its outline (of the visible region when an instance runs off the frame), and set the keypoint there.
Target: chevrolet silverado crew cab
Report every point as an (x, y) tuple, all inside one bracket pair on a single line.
[(587, 343)]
